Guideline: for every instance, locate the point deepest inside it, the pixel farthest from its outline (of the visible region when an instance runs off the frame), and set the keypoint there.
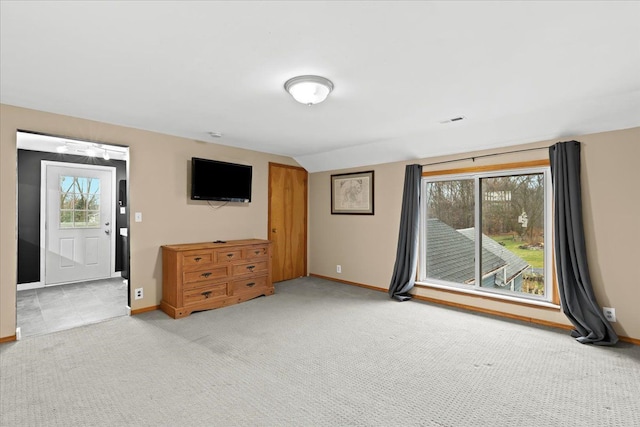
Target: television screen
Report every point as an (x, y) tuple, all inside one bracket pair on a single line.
[(215, 180)]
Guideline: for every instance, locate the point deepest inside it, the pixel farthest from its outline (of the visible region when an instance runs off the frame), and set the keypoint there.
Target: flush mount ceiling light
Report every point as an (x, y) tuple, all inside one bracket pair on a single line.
[(309, 90)]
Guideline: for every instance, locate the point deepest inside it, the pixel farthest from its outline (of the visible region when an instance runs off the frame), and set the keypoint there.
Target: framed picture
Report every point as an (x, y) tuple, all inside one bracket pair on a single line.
[(352, 193)]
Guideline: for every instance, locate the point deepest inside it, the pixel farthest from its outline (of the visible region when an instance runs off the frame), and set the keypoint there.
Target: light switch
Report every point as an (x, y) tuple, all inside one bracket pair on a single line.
[(138, 217)]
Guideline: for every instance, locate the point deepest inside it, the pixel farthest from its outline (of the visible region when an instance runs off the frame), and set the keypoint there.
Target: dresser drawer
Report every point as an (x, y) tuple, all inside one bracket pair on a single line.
[(212, 273), (218, 290), (224, 256), (238, 287), (196, 260), (255, 252), (244, 268)]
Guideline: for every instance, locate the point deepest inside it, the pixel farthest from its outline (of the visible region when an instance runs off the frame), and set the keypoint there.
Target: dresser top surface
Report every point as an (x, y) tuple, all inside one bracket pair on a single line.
[(215, 245)]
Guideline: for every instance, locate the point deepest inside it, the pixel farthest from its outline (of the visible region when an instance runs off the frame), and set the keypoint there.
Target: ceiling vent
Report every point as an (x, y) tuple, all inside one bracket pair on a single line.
[(454, 119)]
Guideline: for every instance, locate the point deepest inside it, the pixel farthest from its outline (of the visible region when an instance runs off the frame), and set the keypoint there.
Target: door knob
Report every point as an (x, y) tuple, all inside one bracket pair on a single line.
[(273, 230)]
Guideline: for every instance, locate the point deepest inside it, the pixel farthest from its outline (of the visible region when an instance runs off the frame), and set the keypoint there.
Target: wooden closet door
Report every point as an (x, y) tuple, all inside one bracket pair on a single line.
[(288, 221)]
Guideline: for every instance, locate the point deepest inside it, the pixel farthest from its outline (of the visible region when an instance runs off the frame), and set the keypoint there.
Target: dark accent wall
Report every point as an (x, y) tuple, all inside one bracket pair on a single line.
[(29, 208)]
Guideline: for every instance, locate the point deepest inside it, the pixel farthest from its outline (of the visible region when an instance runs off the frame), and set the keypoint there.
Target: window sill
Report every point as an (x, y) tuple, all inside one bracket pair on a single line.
[(491, 296)]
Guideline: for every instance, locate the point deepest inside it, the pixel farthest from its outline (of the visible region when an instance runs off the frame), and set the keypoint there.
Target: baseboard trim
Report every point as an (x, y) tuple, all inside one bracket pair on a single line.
[(27, 286), (630, 340), (466, 307), (346, 282), (144, 309), (8, 339)]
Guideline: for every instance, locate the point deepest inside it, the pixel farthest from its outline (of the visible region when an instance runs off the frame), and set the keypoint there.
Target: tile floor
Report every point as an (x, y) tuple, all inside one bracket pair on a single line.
[(55, 308)]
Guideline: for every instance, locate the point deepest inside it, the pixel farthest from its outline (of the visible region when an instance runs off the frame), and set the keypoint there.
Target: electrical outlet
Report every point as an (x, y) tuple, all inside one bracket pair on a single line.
[(138, 293), (138, 217), (609, 313), (338, 268)]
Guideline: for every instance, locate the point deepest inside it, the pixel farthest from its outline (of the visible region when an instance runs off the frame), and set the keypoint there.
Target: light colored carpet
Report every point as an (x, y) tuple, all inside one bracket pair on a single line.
[(317, 353)]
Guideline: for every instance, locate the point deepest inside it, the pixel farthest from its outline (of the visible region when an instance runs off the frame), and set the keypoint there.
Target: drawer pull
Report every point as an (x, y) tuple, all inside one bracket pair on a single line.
[(197, 259), (206, 294), (251, 285), (251, 267), (205, 275), (257, 252), (229, 255)]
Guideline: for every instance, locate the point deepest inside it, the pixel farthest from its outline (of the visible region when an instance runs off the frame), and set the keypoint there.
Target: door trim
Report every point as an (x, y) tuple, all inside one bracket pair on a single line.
[(43, 213)]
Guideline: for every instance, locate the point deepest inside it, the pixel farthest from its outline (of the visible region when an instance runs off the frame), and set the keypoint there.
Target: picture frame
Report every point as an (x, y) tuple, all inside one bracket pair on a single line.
[(352, 193)]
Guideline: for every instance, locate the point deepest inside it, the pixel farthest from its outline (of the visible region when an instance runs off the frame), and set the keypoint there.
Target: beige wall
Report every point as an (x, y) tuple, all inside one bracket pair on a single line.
[(158, 188), (365, 246)]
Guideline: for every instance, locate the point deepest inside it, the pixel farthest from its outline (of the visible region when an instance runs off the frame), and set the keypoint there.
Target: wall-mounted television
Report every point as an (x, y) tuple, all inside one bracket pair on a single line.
[(221, 181)]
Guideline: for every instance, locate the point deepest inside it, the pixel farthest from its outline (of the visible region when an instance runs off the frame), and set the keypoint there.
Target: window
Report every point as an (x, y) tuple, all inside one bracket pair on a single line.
[(79, 202), (488, 232)]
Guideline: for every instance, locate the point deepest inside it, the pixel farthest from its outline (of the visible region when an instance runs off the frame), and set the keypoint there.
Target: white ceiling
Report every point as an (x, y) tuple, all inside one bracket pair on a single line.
[(517, 71)]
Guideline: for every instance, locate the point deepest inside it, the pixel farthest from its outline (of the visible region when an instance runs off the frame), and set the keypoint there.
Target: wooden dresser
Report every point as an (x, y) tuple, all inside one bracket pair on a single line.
[(202, 276)]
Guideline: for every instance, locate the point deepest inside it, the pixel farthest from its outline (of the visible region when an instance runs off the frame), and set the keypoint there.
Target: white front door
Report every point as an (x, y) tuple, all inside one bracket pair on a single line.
[(78, 224)]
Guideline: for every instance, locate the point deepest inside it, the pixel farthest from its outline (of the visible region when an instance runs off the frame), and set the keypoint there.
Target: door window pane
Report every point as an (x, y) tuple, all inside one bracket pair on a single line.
[(66, 184), (80, 219), (93, 202), (93, 218), (66, 201), (81, 184), (79, 202), (93, 186), (66, 218)]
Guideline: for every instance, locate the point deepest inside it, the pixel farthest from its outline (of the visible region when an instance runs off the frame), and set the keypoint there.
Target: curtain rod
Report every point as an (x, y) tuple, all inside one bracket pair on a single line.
[(485, 155)]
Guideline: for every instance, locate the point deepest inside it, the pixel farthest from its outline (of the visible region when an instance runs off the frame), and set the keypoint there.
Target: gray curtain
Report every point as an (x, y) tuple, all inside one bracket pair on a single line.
[(574, 283), (404, 271)]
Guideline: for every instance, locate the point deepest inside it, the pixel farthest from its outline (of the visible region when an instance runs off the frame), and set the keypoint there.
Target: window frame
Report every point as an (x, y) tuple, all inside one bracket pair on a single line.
[(550, 297)]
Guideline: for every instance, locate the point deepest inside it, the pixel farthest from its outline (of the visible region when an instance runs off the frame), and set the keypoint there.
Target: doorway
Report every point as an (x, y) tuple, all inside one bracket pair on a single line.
[(288, 221), (76, 222), (73, 271)]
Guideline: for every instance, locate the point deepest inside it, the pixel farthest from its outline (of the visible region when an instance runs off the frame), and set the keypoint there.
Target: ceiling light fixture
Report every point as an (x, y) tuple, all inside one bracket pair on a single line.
[(309, 90)]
